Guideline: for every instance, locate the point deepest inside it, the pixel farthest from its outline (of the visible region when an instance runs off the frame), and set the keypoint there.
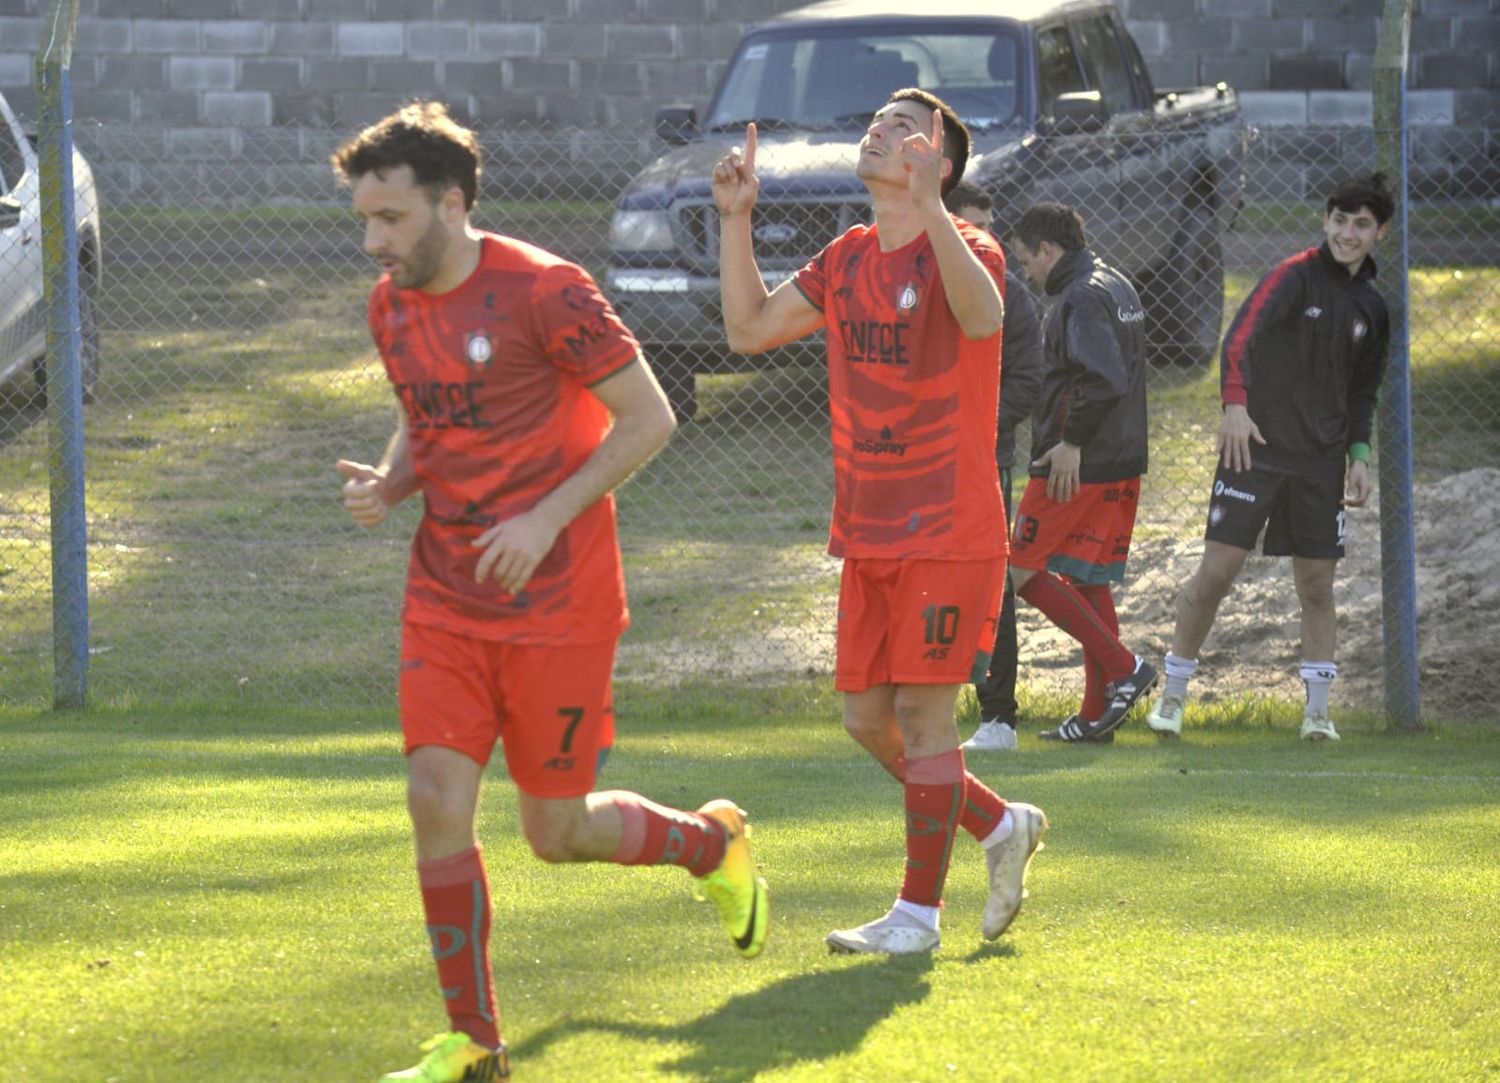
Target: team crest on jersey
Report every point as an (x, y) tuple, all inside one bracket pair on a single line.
[(1359, 330), (906, 300), (479, 349)]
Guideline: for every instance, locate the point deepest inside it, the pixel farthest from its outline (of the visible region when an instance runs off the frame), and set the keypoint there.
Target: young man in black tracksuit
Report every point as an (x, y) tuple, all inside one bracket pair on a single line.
[(1088, 451), (1020, 384), (1301, 366)]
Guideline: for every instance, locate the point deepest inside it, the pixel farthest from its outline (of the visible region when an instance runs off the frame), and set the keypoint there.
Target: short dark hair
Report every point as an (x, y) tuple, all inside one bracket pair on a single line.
[(1055, 222), (1368, 190), (967, 194), (956, 139), (442, 153)]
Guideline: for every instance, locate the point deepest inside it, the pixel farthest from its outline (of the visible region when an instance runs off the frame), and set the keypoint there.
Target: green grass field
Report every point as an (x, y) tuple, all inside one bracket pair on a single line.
[(229, 895)]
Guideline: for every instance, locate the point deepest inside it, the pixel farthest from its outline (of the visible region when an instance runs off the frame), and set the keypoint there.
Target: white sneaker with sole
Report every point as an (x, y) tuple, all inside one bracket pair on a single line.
[(991, 736), (1007, 863), (1316, 727), (1166, 717), (897, 933)]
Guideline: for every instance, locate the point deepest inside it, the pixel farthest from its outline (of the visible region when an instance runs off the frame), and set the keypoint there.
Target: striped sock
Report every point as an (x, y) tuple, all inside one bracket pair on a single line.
[(1066, 608), (456, 899), (934, 797), (653, 834)]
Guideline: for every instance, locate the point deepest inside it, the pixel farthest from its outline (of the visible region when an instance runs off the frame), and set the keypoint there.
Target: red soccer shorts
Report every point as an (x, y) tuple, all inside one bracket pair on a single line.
[(916, 621), (1086, 539), (549, 706)]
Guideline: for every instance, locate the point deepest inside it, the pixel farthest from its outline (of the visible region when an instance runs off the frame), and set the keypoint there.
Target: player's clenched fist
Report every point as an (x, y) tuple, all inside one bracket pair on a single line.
[(735, 184), (362, 496)]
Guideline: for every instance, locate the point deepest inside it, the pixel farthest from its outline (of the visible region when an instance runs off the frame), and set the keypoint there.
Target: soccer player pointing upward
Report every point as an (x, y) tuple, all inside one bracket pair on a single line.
[(912, 310), (523, 402)]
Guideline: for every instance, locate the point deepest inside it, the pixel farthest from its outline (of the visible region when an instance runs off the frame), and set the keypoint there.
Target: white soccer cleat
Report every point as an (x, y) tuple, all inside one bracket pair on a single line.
[(991, 736), (1166, 717), (1007, 863), (897, 933), (1316, 727)]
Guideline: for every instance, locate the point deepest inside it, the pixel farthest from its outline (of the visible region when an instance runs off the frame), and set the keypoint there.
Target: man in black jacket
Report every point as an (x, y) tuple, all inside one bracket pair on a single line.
[(1020, 384), (1088, 452), (1300, 369)]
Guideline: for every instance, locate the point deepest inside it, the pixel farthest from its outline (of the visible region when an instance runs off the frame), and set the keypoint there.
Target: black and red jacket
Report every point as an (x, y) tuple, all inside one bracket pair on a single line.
[(1305, 355), (1094, 385)]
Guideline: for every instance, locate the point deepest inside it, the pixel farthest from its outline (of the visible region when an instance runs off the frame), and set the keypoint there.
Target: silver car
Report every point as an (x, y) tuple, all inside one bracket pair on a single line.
[(23, 324)]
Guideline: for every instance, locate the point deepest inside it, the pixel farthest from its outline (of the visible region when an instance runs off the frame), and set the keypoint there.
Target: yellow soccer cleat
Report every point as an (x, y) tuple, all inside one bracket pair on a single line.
[(455, 1058), (737, 891)]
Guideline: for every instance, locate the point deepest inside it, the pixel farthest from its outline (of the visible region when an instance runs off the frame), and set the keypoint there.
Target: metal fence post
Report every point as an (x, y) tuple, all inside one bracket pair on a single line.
[(70, 621), (1398, 566)]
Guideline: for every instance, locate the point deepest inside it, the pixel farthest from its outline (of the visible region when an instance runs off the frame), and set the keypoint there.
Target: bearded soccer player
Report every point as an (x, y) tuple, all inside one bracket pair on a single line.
[(912, 309), (523, 402)]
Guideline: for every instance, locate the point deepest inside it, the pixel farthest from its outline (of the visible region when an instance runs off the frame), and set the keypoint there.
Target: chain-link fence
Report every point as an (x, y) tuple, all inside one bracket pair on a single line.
[(235, 368)]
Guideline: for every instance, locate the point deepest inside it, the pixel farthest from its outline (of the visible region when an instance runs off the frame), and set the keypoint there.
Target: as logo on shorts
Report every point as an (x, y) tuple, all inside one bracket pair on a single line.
[(1215, 514)]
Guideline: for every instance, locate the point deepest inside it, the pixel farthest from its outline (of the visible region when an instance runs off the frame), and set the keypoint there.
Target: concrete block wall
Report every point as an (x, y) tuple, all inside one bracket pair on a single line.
[(211, 78), (610, 63)]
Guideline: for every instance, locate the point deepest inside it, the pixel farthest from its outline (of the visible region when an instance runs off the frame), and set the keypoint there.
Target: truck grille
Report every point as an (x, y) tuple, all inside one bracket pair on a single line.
[(787, 235)]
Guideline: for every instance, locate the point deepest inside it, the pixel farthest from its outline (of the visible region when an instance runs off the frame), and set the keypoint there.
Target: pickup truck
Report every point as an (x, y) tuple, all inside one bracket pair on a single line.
[(1060, 105), (23, 318)]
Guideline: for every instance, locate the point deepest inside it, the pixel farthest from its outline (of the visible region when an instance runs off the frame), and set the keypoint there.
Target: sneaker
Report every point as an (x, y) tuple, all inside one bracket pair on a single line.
[(1007, 863), (737, 891), (1316, 727), (1125, 694), (992, 736), (897, 933), (1166, 717), (1074, 728), (455, 1058)]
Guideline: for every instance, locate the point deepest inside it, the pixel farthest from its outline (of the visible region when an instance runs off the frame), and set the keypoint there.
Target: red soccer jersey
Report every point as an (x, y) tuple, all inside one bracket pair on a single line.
[(913, 402), (493, 377)]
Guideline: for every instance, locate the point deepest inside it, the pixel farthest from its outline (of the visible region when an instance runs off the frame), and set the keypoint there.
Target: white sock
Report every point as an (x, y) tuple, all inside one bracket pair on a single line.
[(1002, 831), (1316, 677), (927, 915), (1179, 672)]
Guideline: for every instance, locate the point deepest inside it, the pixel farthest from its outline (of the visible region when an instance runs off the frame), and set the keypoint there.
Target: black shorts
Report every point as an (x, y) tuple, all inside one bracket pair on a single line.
[(1302, 511)]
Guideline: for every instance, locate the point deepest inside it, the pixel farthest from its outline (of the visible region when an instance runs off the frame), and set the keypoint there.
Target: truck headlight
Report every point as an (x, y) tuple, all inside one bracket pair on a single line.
[(641, 231)]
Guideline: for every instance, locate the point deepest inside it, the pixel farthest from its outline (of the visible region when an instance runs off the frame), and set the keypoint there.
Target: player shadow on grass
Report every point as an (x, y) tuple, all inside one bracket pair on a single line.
[(806, 1018)]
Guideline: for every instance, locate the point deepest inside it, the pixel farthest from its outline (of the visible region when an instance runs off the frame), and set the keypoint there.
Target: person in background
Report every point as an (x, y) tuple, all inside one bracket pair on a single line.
[(1020, 384), (1088, 452), (1299, 374)]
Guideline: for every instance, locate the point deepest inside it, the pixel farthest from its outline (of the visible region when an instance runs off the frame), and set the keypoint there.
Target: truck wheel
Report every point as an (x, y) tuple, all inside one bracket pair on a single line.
[(1184, 300), (674, 371)]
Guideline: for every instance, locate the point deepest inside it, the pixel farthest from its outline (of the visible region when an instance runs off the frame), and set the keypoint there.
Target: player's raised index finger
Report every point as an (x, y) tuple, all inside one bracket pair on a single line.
[(937, 130), (750, 147)]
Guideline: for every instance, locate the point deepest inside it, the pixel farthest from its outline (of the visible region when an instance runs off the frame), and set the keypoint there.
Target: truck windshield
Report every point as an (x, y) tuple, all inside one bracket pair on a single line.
[(835, 79)]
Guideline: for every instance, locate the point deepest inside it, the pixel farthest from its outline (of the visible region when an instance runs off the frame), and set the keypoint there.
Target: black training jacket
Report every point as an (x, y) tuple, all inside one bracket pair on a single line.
[(1305, 355), (1020, 366), (1094, 387)]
